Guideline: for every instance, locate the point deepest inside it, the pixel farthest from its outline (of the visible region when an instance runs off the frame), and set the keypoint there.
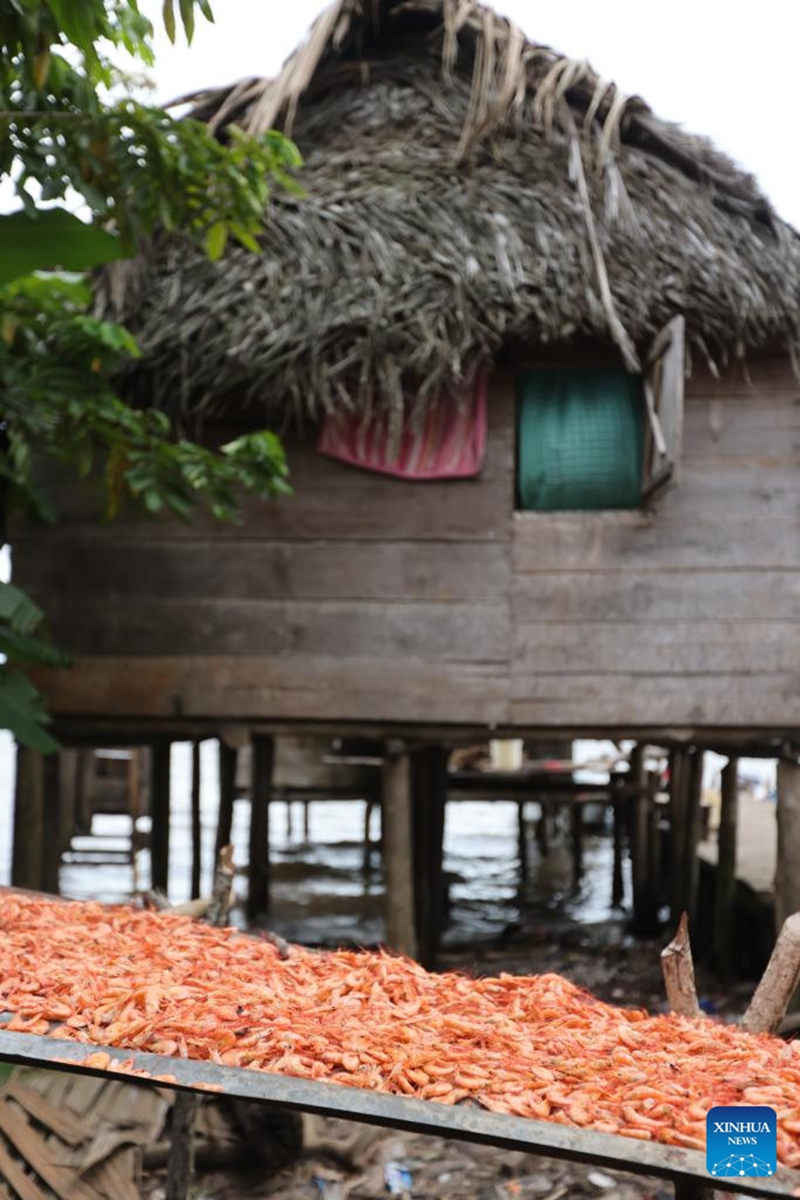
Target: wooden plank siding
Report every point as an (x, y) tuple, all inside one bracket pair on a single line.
[(690, 614), (360, 597), (333, 501), (367, 599)]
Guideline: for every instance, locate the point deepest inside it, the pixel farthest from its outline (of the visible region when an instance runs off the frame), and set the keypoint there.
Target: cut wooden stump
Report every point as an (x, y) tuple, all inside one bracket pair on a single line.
[(219, 907), (779, 982), (787, 875), (678, 968)]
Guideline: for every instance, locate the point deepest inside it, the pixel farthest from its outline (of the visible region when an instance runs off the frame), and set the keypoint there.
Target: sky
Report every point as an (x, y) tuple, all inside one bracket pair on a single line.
[(723, 68)]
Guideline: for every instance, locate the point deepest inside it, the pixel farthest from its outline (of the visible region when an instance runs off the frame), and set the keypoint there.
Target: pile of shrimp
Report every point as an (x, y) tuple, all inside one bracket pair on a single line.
[(531, 1046)]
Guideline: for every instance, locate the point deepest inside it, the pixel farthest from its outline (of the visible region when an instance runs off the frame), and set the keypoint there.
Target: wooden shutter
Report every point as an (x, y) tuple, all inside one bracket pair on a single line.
[(663, 391)]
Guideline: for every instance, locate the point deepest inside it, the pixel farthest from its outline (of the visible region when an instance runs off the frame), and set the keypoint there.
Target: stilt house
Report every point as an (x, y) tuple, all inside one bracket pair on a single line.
[(530, 351)]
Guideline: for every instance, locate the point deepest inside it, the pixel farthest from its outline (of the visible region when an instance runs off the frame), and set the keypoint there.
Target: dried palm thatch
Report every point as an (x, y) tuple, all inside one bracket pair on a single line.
[(465, 190)]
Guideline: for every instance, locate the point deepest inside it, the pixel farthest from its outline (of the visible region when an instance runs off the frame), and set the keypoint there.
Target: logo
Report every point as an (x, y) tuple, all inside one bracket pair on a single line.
[(741, 1141)]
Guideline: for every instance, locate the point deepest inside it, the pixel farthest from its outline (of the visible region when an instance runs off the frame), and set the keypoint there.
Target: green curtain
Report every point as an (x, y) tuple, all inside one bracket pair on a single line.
[(579, 439)]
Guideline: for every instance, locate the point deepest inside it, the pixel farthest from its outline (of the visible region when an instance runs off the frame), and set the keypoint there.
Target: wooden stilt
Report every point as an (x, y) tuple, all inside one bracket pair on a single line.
[(67, 794), (159, 815), (366, 862), (401, 934), (51, 844), (686, 786), (197, 830), (645, 900), (693, 824), (227, 794), (29, 827), (306, 820), (522, 843), (429, 787), (617, 878), (787, 874), (542, 827), (83, 799), (576, 842), (263, 754), (289, 822), (657, 885), (678, 778), (725, 880)]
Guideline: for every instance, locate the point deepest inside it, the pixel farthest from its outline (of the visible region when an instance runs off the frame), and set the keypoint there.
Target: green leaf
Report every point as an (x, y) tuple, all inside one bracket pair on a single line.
[(247, 239), (22, 711), (51, 239), (205, 9), (187, 16), (216, 240), (169, 19), (18, 610), (35, 651)]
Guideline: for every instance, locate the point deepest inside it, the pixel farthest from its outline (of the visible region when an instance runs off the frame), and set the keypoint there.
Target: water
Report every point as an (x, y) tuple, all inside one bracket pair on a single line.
[(319, 892)]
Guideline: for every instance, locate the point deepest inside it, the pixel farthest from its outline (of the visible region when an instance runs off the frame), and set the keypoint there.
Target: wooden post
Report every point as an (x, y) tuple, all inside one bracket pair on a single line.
[(83, 799), (640, 807), (263, 754), (693, 822), (787, 873), (690, 1189), (401, 934), (67, 793), (306, 820), (686, 786), (197, 829), (617, 878), (227, 793), (657, 887), (725, 879), (180, 1164), (159, 814), (576, 839), (522, 843), (542, 828), (51, 825), (29, 831), (366, 862), (678, 780), (429, 788)]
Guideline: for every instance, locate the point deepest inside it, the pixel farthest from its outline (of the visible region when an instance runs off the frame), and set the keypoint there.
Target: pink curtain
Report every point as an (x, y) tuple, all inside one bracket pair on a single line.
[(450, 442)]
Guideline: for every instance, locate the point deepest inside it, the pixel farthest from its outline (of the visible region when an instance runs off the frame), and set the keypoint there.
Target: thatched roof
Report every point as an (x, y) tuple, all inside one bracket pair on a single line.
[(465, 190)]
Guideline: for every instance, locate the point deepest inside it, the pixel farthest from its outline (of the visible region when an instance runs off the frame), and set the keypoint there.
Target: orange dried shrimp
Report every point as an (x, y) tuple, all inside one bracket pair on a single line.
[(531, 1046)]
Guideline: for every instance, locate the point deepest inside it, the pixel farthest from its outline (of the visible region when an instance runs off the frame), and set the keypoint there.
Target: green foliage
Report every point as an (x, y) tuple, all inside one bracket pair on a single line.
[(21, 709), (137, 169), (54, 237), (56, 390), (135, 166)]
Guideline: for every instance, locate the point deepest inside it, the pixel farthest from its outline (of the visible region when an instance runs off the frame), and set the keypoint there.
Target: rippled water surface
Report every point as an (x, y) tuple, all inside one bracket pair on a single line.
[(320, 893)]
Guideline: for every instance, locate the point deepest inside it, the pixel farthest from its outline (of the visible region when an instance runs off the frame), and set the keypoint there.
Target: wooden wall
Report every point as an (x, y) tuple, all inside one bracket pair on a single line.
[(368, 599)]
